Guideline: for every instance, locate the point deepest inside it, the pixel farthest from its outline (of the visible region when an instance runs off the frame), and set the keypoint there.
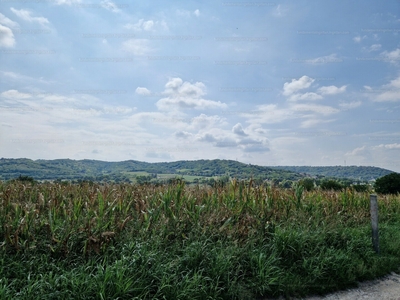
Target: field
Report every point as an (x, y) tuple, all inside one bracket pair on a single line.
[(238, 241)]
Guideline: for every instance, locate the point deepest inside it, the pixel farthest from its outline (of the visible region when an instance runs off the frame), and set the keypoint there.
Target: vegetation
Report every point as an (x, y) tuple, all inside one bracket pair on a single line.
[(232, 240), (331, 184), (352, 172), (195, 171), (389, 184)]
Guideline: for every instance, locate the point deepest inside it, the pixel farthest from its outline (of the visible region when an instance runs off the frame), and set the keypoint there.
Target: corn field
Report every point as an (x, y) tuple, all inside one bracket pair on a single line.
[(90, 221)]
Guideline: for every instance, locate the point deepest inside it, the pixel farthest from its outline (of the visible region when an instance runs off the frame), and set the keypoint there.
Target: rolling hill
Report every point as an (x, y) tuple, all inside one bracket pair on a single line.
[(67, 169)]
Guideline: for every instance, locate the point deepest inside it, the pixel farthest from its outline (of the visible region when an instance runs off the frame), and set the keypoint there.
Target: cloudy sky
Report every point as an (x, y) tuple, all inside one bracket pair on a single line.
[(268, 83)]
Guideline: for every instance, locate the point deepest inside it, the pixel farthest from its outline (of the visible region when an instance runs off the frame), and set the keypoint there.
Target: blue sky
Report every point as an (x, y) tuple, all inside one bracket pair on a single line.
[(267, 83)]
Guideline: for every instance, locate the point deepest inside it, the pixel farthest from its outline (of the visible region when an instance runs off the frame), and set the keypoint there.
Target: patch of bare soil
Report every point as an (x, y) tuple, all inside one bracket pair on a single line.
[(386, 288)]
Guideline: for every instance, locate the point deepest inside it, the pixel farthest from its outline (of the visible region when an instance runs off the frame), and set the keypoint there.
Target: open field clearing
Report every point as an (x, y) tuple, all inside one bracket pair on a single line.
[(237, 241)]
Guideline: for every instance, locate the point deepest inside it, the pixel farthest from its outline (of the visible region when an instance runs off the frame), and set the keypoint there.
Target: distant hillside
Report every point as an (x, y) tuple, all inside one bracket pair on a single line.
[(67, 169), (353, 172)]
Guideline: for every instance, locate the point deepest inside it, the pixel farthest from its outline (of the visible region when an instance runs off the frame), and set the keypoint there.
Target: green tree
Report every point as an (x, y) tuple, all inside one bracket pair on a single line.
[(331, 184), (307, 183), (389, 184)]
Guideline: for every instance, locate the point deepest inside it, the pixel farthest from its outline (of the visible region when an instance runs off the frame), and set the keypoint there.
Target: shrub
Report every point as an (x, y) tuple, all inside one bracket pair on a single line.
[(331, 184), (389, 184)]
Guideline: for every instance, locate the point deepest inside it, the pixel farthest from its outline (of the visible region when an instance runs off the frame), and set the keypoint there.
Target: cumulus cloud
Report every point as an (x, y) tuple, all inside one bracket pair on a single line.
[(109, 5), (350, 105), (137, 47), (253, 145), (66, 2), (7, 22), (187, 13), (305, 96), (268, 114), (324, 59), (375, 47), (320, 109), (358, 38), (256, 148), (312, 121), (207, 137), (357, 151), (394, 146), (290, 88), (183, 134), (393, 56), (26, 16), (142, 91), (238, 129), (14, 95), (203, 121), (392, 92), (6, 37), (147, 25), (183, 95), (331, 90)]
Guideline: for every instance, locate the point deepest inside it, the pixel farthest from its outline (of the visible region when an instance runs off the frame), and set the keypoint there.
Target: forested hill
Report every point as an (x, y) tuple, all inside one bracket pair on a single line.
[(67, 169), (353, 172)]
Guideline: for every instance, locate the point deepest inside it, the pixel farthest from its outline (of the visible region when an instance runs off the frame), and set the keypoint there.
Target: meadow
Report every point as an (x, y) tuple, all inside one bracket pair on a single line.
[(233, 241)]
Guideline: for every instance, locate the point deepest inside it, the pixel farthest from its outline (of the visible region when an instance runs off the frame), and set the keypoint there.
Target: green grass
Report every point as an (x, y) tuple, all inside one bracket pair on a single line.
[(121, 241)]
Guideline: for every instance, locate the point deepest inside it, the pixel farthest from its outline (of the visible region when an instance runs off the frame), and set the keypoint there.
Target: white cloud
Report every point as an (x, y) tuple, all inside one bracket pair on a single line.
[(7, 22), (183, 134), (137, 47), (14, 95), (320, 109), (141, 25), (268, 114), (183, 103), (393, 56), (109, 5), (238, 129), (375, 47), (203, 121), (331, 90), (280, 11), (197, 12), (207, 137), (6, 37), (358, 38), (26, 16), (313, 121), (305, 96), (392, 94), (324, 59), (182, 95), (350, 105), (142, 91), (358, 151), (394, 146), (295, 85), (66, 2)]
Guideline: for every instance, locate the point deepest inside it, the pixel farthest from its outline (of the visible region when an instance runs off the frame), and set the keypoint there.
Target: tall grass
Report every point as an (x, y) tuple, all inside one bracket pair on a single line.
[(239, 241)]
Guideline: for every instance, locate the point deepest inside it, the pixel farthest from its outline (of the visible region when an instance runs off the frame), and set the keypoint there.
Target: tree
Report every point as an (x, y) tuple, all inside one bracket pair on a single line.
[(307, 183), (331, 184), (389, 184), (24, 178)]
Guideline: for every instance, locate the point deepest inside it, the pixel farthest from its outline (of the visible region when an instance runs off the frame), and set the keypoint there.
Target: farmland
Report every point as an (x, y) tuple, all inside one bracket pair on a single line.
[(238, 240)]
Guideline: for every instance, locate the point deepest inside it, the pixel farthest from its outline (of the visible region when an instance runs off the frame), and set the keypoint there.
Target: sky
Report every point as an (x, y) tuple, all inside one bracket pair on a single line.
[(313, 83)]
